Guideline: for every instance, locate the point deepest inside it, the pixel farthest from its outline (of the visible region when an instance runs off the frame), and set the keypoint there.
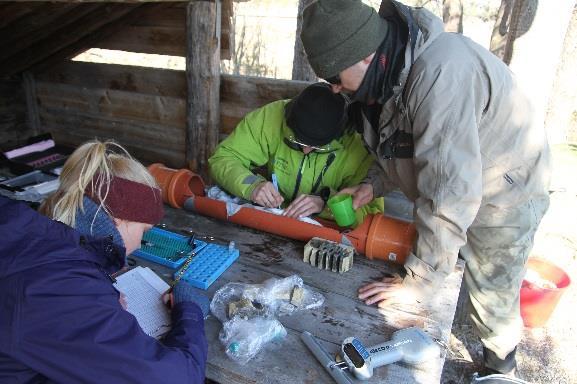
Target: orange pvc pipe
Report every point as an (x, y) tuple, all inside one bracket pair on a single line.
[(262, 220), (378, 237), (176, 185)]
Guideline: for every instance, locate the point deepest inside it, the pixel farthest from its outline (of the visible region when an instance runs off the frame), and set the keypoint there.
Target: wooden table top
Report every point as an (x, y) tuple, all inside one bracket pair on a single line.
[(262, 256)]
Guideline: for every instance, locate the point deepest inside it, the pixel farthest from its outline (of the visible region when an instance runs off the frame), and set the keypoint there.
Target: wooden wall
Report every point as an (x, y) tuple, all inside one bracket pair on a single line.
[(163, 32), (142, 108), (13, 126)]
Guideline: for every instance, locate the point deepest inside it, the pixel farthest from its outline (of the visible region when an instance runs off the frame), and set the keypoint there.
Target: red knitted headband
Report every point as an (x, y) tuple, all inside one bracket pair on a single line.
[(129, 200)]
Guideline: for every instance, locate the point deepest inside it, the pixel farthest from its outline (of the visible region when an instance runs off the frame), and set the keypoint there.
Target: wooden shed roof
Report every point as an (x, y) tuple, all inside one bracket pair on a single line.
[(35, 35)]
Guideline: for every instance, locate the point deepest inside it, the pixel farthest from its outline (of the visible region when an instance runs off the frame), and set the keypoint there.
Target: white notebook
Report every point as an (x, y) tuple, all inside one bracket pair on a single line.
[(143, 290)]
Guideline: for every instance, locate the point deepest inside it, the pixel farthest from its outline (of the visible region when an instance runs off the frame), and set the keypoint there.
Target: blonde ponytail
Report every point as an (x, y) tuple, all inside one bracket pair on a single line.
[(93, 163)]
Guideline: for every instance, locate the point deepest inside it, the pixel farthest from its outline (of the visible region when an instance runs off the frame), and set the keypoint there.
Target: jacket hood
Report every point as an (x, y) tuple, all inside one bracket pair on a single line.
[(29, 240)]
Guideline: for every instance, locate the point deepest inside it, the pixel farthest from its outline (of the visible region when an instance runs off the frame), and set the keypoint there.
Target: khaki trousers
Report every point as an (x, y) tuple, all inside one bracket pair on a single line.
[(498, 245)]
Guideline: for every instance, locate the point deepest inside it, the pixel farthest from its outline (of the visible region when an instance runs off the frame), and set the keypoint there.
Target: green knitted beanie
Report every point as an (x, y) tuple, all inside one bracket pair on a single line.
[(339, 33)]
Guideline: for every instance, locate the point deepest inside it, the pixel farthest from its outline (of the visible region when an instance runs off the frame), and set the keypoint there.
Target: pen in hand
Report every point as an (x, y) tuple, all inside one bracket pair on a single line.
[(275, 184)]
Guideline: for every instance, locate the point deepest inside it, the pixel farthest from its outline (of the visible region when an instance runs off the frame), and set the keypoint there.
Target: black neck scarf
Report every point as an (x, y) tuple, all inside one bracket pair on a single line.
[(383, 72)]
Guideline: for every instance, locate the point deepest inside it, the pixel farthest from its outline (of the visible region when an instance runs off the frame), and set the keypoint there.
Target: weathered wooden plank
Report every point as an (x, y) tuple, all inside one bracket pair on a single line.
[(227, 30), (203, 80), (147, 136), (74, 37), (115, 22), (117, 1), (13, 128), (163, 32), (160, 40), (32, 117), (231, 113), (165, 111), (237, 98), (173, 15), (240, 95), (154, 81), (252, 91), (46, 18), (12, 12), (146, 156), (152, 143), (30, 44)]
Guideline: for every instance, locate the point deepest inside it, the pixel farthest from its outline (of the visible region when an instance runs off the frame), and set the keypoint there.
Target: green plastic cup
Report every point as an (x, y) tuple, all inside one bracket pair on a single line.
[(342, 208)]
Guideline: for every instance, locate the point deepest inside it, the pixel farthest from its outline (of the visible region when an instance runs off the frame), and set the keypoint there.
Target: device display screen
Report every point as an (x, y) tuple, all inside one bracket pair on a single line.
[(354, 355)]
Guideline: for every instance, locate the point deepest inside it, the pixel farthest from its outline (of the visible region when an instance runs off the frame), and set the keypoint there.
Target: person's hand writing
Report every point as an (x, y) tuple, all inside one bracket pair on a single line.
[(266, 195), (122, 300), (362, 194), (387, 292), (184, 292), (304, 205), (168, 299)]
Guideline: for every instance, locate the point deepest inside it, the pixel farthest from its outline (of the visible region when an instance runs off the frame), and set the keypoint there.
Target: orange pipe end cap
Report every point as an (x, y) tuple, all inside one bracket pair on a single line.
[(162, 175), (390, 239), (178, 189)]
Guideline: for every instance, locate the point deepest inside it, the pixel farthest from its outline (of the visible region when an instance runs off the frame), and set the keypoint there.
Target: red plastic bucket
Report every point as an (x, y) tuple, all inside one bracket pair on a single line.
[(538, 298)]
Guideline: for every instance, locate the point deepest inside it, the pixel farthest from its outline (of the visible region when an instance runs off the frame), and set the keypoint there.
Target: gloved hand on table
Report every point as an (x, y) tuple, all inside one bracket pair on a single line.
[(183, 291)]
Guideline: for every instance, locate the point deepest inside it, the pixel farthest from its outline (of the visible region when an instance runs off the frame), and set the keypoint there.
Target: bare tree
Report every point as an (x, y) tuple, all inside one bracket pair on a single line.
[(534, 46), (500, 29), (246, 56), (453, 15), (522, 17), (301, 68), (561, 119)]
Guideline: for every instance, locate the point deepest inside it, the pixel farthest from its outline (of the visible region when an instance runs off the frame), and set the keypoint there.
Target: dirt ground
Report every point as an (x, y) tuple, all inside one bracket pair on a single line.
[(548, 354)]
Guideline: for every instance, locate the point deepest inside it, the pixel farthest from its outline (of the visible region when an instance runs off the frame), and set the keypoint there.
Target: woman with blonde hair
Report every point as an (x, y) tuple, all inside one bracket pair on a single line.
[(61, 318), (99, 172)]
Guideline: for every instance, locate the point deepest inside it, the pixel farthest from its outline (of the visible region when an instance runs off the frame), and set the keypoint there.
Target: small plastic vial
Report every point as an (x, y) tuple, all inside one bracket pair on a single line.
[(233, 347), (231, 247)]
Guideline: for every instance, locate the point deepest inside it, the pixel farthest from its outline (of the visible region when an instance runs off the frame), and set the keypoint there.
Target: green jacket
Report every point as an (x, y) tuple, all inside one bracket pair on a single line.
[(258, 141)]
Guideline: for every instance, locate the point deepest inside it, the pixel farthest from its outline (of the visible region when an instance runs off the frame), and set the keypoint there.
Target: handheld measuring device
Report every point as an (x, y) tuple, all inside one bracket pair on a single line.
[(410, 345)]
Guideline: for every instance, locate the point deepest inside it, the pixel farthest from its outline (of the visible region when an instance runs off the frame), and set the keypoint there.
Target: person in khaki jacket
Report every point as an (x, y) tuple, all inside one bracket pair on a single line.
[(450, 128)]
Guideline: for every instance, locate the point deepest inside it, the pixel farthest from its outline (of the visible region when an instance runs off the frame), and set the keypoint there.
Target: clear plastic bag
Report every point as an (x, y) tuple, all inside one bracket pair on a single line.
[(243, 339), (248, 312), (271, 298)]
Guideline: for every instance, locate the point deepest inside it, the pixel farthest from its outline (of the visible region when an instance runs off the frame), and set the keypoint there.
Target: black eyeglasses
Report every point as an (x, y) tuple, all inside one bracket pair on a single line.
[(334, 80), (294, 143)]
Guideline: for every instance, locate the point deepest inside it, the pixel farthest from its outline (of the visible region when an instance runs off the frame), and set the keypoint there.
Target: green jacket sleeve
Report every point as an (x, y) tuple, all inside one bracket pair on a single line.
[(248, 146)]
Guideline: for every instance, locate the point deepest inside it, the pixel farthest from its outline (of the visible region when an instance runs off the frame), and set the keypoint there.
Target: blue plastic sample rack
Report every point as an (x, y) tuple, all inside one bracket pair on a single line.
[(167, 248), (208, 265)]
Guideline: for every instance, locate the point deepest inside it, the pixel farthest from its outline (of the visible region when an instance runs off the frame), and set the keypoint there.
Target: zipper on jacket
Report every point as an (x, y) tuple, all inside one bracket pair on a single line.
[(330, 160), (299, 177)]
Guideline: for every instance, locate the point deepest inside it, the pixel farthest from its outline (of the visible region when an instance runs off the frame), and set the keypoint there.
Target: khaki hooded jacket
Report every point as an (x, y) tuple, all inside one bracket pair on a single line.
[(476, 148)]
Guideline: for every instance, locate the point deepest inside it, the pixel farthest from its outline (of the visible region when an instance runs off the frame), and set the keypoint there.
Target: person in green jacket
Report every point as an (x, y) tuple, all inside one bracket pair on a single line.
[(309, 150)]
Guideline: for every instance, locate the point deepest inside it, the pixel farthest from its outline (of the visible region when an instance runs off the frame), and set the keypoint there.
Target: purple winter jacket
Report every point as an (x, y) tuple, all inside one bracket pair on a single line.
[(60, 319)]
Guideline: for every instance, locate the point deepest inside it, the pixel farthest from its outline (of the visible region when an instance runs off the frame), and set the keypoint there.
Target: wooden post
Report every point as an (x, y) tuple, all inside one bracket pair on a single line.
[(32, 115), (301, 68), (453, 15), (203, 80)]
